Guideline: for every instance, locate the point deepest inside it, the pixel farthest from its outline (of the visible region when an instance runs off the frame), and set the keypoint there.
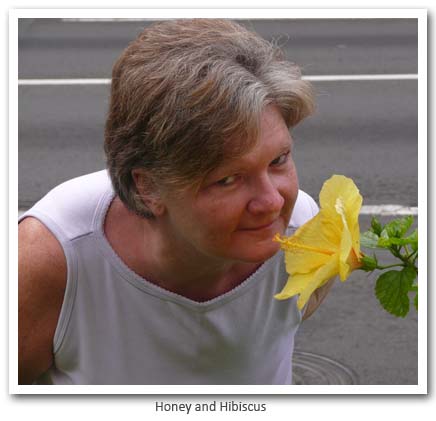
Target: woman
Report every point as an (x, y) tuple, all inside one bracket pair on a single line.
[(162, 270)]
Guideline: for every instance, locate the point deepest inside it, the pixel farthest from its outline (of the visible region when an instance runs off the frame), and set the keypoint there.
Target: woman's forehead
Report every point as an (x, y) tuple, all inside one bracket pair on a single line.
[(273, 134)]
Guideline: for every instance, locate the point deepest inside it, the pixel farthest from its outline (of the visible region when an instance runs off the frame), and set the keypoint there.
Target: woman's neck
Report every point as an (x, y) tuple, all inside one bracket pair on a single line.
[(149, 251)]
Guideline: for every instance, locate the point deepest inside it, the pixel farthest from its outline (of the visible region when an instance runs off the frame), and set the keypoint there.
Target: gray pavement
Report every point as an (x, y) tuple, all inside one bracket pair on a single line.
[(366, 130), (52, 48)]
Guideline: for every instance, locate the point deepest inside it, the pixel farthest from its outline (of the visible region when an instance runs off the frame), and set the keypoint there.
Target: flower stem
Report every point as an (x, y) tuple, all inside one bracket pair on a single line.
[(390, 266), (396, 252)]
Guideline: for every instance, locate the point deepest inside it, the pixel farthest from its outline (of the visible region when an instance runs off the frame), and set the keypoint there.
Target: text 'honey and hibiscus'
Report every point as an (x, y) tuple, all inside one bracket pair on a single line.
[(329, 245)]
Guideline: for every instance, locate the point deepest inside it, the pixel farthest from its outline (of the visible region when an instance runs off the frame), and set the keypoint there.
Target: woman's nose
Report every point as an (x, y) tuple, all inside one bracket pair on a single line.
[(266, 199)]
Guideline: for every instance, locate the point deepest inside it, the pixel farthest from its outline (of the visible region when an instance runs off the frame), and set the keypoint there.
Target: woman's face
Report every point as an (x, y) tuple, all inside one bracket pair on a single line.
[(242, 204)]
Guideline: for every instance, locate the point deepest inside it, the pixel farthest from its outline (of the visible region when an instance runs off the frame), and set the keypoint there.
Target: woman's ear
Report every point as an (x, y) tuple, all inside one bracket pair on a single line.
[(148, 191)]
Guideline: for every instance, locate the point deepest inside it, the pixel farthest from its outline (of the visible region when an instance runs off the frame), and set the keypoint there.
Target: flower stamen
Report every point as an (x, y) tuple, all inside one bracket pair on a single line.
[(287, 244)]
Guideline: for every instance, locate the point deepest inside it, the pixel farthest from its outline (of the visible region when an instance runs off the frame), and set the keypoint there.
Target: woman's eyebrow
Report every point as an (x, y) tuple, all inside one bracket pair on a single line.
[(235, 163), (286, 146), (241, 163)]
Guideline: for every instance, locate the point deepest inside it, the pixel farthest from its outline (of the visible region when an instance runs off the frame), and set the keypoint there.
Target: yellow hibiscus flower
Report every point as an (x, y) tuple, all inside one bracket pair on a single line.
[(325, 246)]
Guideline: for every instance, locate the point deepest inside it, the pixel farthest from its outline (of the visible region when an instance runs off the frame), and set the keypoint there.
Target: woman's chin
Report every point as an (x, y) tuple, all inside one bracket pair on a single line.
[(260, 253)]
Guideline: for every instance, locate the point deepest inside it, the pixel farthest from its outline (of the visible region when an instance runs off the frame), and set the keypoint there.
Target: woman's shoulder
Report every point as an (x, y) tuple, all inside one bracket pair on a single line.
[(70, 207), (305, 208)]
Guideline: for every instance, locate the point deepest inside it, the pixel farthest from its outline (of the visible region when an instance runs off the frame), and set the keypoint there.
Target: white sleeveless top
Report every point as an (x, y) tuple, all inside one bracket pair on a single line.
[(117, 328)]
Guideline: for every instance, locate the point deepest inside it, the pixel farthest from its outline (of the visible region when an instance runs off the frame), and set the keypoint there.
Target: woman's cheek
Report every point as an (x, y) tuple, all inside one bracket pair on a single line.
[(212, 213)]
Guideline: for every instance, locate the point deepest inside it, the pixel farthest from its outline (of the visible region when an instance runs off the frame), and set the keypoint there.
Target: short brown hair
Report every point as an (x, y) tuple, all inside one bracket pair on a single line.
[(187, 93)]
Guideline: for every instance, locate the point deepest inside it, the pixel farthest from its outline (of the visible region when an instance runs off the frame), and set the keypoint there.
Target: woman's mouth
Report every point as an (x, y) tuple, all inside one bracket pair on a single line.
[(261, 227)]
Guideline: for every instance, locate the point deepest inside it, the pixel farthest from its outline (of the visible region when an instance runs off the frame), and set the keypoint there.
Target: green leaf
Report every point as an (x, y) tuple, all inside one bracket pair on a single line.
[(369, 240), (413, 240), (384, 241), (401, 241), (398, 227), (376, 227), (415, 301), (392, 289)]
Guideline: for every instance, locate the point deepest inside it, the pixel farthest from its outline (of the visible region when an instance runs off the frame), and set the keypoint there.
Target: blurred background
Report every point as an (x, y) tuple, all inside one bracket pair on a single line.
[(365, 75)]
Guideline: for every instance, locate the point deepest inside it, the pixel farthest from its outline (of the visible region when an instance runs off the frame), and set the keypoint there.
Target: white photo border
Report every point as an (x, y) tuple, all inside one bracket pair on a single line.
[(15, 14)]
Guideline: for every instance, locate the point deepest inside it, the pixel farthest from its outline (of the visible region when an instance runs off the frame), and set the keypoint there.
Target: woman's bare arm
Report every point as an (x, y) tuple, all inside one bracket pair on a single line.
[(42, 274), (317, 298)]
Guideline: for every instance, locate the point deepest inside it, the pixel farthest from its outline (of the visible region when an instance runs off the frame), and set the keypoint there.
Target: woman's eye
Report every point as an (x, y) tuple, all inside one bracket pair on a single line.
[(227, 181), (281, 159)]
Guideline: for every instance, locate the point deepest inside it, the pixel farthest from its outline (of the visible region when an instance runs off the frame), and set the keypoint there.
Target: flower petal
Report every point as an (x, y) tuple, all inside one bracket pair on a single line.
[(339, 186), (305, 284), (346, 241), (341, 202), (311, 246)]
